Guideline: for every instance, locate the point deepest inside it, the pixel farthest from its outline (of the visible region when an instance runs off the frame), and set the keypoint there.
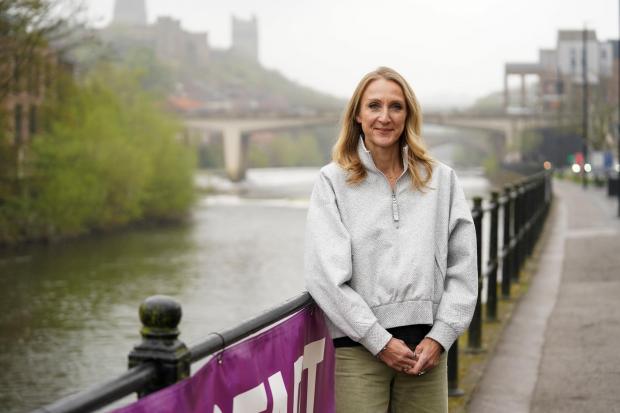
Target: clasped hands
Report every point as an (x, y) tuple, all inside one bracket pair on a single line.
[(399, 356)]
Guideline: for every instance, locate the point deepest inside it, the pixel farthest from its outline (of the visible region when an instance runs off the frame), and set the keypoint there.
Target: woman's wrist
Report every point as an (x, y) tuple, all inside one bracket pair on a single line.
[(381, 352), (378, 355)]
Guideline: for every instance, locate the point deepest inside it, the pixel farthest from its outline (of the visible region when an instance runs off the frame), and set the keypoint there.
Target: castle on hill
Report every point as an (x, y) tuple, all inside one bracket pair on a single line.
[(170, 42)]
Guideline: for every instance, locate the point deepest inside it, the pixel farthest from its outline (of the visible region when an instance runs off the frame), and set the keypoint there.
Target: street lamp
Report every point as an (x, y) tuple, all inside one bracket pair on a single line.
[(586, 112), (618, 69)]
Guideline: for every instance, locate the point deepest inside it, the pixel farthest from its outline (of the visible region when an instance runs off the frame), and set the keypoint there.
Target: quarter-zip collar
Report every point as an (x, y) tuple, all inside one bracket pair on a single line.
[(366, 158), (369, 164)]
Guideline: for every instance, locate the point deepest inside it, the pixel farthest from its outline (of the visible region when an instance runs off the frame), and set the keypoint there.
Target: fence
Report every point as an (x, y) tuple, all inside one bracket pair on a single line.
[(161, 359), (524, 207)]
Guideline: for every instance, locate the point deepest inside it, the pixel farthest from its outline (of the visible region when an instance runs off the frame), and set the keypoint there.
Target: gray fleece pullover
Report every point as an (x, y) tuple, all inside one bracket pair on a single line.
[(377, 258)]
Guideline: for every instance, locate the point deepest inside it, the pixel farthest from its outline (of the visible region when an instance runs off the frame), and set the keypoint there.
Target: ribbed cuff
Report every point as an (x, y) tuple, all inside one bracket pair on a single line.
[(443, 334), (376, 338)]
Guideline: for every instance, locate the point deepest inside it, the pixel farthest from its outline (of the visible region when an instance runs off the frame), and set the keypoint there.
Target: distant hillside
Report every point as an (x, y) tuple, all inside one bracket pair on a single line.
[(493, 103), (222, 83), (246, 85)]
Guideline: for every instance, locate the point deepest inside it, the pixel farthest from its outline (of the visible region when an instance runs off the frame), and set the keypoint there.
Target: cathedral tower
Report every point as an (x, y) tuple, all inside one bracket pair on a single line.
[(245, 38), (130, 12)]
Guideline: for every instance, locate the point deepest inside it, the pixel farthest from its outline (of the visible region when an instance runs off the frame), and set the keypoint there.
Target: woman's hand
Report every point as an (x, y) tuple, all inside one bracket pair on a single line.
[(398, 356), (427, 355)]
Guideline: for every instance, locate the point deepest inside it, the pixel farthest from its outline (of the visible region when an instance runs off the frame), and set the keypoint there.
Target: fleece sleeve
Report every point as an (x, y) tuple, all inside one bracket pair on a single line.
[(328, 269), (458, 301)]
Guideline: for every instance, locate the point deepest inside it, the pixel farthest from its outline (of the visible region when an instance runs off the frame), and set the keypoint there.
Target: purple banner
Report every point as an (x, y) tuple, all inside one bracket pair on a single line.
[(288, 368)]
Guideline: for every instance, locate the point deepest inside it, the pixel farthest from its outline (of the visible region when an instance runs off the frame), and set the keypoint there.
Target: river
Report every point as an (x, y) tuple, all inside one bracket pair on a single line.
[(68, 314)]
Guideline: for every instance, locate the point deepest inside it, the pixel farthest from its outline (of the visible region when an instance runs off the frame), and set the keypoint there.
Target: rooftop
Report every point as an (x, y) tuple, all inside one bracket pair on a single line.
[(575, 35)]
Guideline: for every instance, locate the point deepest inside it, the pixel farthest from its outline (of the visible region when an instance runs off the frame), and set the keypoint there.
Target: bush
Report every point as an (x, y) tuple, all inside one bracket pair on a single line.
[(108, 156)]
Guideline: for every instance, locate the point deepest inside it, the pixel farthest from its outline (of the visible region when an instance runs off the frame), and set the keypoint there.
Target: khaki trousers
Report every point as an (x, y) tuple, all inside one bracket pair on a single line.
[(364, 384)]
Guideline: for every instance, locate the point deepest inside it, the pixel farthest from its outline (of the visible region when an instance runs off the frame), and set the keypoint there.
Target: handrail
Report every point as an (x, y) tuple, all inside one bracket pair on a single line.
[(137, 378), (103, 394), (227, 337)]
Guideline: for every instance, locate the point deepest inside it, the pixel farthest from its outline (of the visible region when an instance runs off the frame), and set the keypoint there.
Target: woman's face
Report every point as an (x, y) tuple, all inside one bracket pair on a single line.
[(382, 114)]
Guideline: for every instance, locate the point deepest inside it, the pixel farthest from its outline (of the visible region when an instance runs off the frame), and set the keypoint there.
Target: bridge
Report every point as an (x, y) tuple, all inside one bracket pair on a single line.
[(509, 127), (236, 131)]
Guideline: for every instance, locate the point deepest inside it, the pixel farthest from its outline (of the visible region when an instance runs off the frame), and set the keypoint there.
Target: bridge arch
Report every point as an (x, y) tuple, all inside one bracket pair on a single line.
[(235, 133)]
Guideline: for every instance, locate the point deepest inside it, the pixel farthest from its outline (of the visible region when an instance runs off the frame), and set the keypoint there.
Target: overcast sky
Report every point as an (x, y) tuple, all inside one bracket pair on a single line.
[(451, 51)]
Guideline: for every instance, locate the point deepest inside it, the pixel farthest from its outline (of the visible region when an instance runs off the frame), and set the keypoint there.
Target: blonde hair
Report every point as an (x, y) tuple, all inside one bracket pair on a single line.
[(345, 153)]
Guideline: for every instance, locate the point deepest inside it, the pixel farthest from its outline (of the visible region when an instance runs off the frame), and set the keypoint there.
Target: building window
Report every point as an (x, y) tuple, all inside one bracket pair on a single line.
[(18, 125), (32, 120)]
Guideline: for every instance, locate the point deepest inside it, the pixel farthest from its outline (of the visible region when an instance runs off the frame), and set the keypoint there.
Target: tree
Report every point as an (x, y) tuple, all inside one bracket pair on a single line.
[(108, 157), (26, 28)]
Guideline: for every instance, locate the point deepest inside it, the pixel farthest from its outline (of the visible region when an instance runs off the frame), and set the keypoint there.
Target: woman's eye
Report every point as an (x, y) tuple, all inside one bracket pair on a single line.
[(397, 106), (373, 105)]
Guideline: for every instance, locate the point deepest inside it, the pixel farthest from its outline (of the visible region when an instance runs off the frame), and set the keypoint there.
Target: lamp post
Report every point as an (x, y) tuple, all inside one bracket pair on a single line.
[(618, 69), (584, 77)]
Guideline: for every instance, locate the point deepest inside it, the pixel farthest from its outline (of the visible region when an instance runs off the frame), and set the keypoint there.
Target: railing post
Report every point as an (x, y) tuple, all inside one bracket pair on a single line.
[(529, 208), (493, 260), (474, 336), (522, 226), (160, 316), (542, 202), (506, 254), (453, 371), (532, 216)]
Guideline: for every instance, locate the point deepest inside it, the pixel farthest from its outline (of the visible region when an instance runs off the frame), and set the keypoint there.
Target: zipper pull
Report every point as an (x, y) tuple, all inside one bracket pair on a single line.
[(395, 216)]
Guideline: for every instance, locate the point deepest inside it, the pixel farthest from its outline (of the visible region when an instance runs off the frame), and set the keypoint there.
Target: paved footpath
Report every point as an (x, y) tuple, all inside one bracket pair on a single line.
[(561, 350)]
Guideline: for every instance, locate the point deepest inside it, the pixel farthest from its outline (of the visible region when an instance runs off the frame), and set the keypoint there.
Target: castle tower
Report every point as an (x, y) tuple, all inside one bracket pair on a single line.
[(245, 38), (130, 12)]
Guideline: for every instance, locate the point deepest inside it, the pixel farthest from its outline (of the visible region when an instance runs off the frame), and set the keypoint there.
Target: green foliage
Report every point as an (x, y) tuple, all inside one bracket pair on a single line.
[(491, 165), (530, 141), (287, 150), (228, 72), (108, 156), (490, 104), (211, 155), (27, 27)]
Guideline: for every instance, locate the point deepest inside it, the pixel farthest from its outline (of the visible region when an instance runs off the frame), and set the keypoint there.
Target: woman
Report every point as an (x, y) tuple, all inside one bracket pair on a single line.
[(390, 255)]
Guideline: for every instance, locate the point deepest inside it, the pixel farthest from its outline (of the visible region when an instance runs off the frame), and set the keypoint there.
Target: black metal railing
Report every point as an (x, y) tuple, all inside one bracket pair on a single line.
[(161, 359), (524, 207)]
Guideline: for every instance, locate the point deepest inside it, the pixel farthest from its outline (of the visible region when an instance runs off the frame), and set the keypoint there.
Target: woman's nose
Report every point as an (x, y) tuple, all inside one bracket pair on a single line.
[(384, 116)]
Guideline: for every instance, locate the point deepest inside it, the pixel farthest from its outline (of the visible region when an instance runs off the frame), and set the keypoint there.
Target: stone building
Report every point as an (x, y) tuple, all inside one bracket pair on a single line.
[(170, 42), (25, 86), (173, 44), (22, 99)]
